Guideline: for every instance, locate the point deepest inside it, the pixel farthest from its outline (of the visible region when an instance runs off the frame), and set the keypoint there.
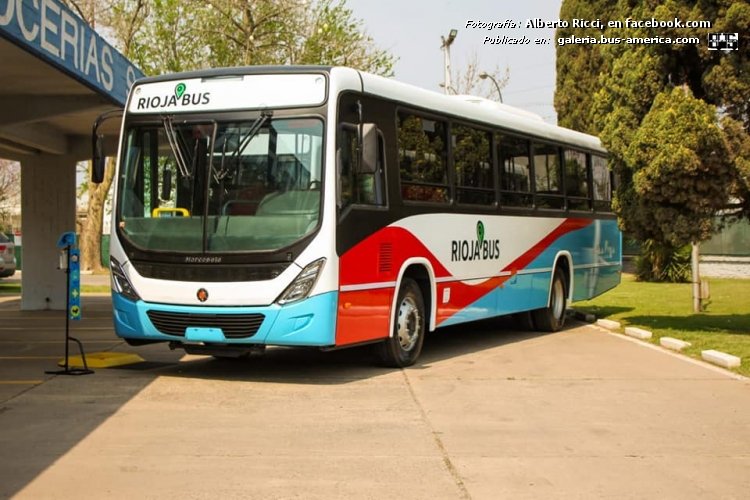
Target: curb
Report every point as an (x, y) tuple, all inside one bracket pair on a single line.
[(609, 324), (638, 333), (674, 344), (714, 357), (721, 358)]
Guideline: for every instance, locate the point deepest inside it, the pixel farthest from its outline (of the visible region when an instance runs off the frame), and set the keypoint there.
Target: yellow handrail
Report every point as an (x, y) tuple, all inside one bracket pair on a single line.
[(170, 212)]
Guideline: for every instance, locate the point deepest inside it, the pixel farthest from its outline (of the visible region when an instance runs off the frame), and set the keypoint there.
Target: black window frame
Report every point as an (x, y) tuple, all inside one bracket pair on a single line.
[(449, 185), (577, 202), (456, 188), (602, 204), (506, 200), (510, 197), (557, 200)]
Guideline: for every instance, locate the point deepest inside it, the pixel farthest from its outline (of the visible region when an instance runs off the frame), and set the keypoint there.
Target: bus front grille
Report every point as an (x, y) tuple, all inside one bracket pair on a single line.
[(234, 326)]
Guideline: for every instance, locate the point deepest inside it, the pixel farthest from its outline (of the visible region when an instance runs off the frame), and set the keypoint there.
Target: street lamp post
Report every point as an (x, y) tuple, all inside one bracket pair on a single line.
[(446, 46), (484, 75)]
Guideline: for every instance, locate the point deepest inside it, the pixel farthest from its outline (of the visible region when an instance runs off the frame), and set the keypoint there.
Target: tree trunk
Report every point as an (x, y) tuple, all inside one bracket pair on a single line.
[(91, 236)]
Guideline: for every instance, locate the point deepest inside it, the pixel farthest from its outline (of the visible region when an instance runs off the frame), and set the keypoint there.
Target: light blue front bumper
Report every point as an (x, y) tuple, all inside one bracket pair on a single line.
[(309, 322)]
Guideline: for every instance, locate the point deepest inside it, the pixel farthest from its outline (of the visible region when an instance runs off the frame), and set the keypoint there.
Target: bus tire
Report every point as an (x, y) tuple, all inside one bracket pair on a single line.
[(552, 317), (404, 346), (525, 321)]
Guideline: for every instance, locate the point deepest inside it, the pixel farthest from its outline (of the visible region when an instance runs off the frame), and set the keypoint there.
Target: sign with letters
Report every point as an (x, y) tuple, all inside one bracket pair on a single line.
[(228, 93), (51, 31)]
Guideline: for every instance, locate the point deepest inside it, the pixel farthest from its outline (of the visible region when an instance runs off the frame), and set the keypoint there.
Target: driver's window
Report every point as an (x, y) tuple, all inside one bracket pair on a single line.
[(356, 187)]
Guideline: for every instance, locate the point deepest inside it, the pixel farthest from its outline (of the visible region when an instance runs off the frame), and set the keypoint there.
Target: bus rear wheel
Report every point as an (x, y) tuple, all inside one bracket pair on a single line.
[(552, 317), (403, 347)]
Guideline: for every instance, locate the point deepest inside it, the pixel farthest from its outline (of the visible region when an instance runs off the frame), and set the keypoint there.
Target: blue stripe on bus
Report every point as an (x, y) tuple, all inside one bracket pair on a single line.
[(309, 322), (530, 290)]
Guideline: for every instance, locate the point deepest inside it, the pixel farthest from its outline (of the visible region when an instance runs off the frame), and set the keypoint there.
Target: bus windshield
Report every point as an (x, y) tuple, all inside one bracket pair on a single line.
[(218, 187)]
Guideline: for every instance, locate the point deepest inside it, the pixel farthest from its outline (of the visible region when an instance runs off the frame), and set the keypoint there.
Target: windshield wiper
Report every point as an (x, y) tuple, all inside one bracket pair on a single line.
[(254, 129), (172, 139), (252, 132)]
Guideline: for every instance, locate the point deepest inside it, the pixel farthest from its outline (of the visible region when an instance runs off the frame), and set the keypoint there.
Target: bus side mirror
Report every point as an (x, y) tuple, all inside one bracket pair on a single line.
[(369, 149), (98, 157), (97, 160)]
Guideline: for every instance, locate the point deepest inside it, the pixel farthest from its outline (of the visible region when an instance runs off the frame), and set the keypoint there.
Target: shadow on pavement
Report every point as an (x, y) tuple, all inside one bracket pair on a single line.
[(315, 367), (42, 417)]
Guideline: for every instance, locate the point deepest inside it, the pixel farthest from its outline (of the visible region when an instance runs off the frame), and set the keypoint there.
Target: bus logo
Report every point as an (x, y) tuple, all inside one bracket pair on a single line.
[(180, 89), (202, 295), (479, 249), (480, 232)]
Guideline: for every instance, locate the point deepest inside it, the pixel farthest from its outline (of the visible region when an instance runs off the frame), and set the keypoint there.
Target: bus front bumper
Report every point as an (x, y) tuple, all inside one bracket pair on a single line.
[(309, 322)]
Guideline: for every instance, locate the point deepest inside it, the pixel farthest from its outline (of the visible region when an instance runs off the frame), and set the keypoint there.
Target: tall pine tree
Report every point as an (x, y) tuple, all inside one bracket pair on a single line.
[(610, 90)]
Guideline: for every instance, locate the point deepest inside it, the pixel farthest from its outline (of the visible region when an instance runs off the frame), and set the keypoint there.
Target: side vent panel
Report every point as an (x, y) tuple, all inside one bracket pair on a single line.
[(385, 258)]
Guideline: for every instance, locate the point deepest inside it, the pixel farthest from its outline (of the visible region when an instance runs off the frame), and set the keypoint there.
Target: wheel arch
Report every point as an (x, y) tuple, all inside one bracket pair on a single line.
[(564, 261), (420, 270)]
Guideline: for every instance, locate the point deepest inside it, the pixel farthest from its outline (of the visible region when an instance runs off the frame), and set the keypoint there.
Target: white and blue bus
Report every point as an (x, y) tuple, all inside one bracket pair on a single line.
[(327, 207)]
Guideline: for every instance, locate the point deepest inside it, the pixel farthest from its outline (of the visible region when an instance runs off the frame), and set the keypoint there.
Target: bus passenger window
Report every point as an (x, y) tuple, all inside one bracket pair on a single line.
[(515, 171), (576, 180), (602, 186), (548, 176), (472, 162), (422, 158)]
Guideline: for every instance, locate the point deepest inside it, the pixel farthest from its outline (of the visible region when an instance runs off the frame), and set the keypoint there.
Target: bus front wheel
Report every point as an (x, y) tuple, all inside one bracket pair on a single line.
[(552, 317), (402, 348)]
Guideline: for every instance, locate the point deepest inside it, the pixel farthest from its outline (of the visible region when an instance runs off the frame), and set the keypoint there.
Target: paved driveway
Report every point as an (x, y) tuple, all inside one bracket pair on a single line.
[(489, 413)]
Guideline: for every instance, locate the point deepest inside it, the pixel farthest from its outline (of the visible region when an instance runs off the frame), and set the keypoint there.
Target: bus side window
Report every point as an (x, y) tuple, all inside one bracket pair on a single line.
[(548, 176), (576, 179), (423, 155), (515, 171), (602, 184), (472, 161)]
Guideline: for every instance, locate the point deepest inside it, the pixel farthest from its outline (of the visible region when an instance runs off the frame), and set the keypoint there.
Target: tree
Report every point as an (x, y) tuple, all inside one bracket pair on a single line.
[(578, 65), (467, 80), (192, 34), (335, 37), (10, 188), (619, 84), (681, 175), (123, 18), (738, 145)]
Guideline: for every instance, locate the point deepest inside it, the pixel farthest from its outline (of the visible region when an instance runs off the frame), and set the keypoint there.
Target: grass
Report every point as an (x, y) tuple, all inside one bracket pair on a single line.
[(666, 309)]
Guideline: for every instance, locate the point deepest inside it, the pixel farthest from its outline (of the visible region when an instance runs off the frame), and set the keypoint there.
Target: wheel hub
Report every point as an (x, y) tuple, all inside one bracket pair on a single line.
[(409, 324)]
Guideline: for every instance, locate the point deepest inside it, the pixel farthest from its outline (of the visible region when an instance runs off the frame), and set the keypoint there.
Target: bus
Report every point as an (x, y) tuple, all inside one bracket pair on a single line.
[(327, 207)]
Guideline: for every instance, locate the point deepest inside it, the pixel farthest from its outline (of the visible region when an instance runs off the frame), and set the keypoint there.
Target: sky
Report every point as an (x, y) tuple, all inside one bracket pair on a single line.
[(411, 30)]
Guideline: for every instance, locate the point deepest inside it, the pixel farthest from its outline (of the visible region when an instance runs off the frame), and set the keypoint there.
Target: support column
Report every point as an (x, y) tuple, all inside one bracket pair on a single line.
[(48, 209)]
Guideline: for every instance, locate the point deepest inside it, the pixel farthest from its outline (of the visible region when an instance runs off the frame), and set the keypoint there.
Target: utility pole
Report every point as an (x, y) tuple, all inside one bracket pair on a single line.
[(446, 47), (696, 275)]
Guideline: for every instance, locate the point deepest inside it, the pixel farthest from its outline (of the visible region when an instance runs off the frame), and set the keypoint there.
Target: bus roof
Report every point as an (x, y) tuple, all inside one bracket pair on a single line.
[(471, 108), (478, 109)]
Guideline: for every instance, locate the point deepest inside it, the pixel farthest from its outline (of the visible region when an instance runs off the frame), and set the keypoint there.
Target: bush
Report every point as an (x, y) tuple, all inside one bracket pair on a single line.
[(660, 263)]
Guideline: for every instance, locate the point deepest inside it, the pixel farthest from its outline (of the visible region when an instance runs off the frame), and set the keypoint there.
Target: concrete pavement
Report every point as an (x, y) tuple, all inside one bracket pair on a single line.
[(488, 413)]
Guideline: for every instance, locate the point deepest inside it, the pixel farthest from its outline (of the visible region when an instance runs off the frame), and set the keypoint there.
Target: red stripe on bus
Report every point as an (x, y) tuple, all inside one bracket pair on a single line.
[(380, 257)]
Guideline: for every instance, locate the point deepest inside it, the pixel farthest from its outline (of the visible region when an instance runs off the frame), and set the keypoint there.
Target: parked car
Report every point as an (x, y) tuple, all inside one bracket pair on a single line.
[(8, 256)]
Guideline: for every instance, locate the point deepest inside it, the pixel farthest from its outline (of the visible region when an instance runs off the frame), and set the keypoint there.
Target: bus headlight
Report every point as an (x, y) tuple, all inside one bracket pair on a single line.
[(120, 281), (303, 283)]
